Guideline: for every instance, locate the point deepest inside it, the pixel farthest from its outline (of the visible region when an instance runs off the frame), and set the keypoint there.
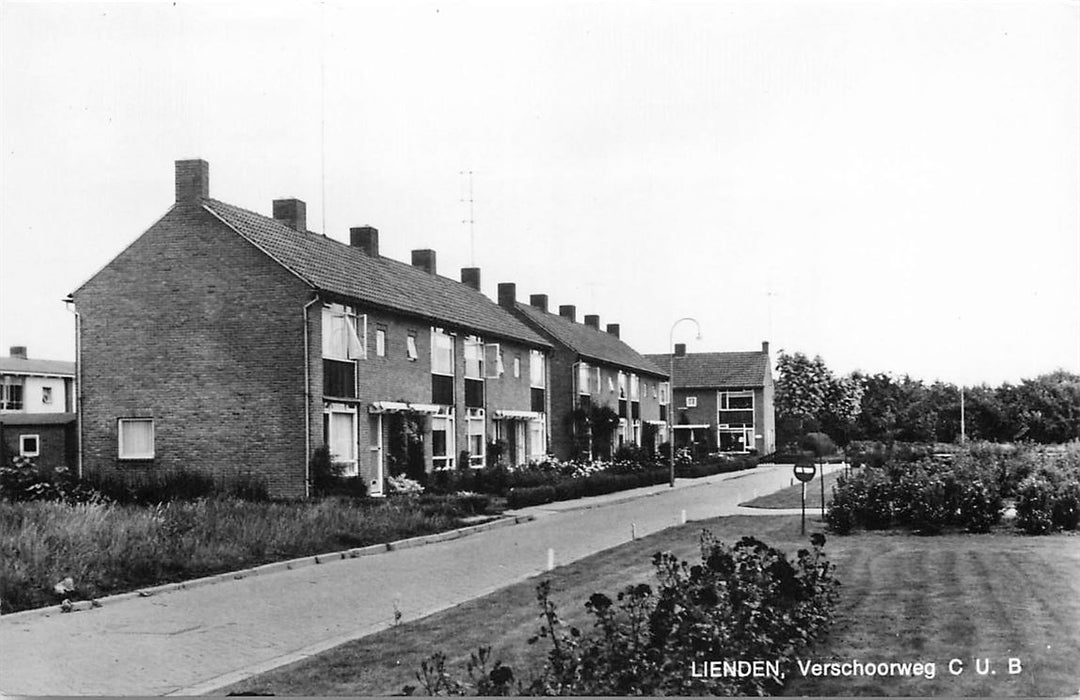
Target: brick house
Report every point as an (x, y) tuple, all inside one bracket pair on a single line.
[(229, 342), (37, 410), (593, 368), (723, 399)]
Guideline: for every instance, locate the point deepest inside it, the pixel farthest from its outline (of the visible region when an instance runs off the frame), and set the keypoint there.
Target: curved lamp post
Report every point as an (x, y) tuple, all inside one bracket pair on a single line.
[(671, 397)]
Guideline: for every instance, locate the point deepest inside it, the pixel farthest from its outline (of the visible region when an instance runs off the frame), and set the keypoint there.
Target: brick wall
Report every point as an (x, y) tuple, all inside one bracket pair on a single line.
[(194, 327), (56, 443)]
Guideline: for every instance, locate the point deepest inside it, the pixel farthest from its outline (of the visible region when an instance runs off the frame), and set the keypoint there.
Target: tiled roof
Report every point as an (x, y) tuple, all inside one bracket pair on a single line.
[(17, 365), (341, 269), (37, 418), (717, 369), (590, 343)]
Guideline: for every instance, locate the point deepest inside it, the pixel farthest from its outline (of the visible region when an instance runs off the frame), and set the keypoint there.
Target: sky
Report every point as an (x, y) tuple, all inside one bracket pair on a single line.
[(894, 186)]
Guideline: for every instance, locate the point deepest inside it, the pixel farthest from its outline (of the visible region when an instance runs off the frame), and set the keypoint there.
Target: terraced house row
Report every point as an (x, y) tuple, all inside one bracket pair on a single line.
[(229, 342)]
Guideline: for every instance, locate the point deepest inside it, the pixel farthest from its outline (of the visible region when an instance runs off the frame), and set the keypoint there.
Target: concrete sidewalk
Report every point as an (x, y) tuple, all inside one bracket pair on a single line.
[(196, 640)]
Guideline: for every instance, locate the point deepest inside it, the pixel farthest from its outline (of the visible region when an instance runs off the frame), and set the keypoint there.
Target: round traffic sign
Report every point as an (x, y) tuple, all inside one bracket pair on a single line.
[(805, 472)]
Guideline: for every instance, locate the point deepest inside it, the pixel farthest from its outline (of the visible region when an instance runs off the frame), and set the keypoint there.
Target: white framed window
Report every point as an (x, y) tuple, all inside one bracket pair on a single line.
[(410, 347), (517, 366), (493, 361), (691, 402), (635, 387), (622, 385), (474, 357), (665, 393), (442, 441), (736, 400), (611, 384), (583, 378), (341, 439), (537, 369), (380, 342), (596, 385), (344, 333), (136, 438), (11, 394), (29, 445), (442, 352), (537, 439), (46, 395), (476, 436)]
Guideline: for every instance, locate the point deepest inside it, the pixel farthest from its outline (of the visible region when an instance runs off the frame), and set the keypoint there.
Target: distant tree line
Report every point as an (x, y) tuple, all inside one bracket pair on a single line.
[(810, 397)]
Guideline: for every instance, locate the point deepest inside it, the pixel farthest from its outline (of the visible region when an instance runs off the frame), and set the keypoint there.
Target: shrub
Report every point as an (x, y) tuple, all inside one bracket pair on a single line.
[(873, 500), (1065, 513), (1034, 505), (928, 504), (841, 513), (980, 505), (24, 480), (747, 601)]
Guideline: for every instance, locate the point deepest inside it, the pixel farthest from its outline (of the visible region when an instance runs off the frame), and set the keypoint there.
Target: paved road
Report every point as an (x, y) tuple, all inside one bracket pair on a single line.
[(196, 640)]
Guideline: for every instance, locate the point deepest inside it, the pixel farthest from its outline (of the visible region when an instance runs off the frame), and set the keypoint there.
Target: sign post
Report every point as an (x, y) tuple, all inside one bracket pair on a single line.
[(804, 473)]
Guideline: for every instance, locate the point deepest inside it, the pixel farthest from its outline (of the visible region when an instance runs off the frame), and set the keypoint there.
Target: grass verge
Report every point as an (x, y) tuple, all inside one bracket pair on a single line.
[(108, 549), (791, 497), (904, 598)]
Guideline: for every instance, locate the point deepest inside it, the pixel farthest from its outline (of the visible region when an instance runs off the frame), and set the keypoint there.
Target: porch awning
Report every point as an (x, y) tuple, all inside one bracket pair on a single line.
[(656, 422), (690, 427), (401, 407), (520, 415)]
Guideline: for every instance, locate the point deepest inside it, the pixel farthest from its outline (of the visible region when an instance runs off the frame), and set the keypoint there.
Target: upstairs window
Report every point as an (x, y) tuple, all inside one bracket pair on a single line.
[(493, 361), (11, 398), (344, 333), (583, 378), (635, 387), (622, 385), (410, 347), (380, 342), (517, 366), (474, 357), (537, 369), (136, 438), (665, 393), (691, 402), (442, 352), (46, 395)]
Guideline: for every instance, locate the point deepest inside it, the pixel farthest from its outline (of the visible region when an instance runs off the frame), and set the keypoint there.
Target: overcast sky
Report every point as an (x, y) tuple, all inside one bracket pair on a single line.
[(892, 185)]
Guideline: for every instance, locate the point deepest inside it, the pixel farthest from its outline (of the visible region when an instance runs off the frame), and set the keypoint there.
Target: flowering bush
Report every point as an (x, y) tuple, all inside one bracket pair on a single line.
[(403, 485), (23, 480)]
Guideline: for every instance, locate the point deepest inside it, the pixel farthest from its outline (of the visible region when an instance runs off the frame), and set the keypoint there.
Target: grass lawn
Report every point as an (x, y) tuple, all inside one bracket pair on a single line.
[(903, 598), (791, 497)]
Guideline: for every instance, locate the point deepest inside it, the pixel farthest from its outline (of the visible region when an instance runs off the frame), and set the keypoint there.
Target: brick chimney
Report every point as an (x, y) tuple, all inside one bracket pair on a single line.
[(366, 238), (765, 347), (292, 213), (613, 329), (425, 260), (18, 351), (540, 301), (192, 180), (470, 277), (592, 321), (507, 294), (680, 349), (568, 311)]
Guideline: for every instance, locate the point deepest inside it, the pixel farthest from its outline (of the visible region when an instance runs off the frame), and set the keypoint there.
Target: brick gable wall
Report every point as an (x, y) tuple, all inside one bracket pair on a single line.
[(197, 329)]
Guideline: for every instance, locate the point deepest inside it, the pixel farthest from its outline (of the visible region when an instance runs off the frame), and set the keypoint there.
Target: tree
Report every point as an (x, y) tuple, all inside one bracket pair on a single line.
[(809, 398)]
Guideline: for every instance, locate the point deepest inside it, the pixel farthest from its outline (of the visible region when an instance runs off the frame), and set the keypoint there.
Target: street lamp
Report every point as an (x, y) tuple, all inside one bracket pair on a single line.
[(671, 397)]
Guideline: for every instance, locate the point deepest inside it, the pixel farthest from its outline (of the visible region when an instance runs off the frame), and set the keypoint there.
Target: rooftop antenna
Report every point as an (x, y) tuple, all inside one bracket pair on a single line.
[(470, 221)]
